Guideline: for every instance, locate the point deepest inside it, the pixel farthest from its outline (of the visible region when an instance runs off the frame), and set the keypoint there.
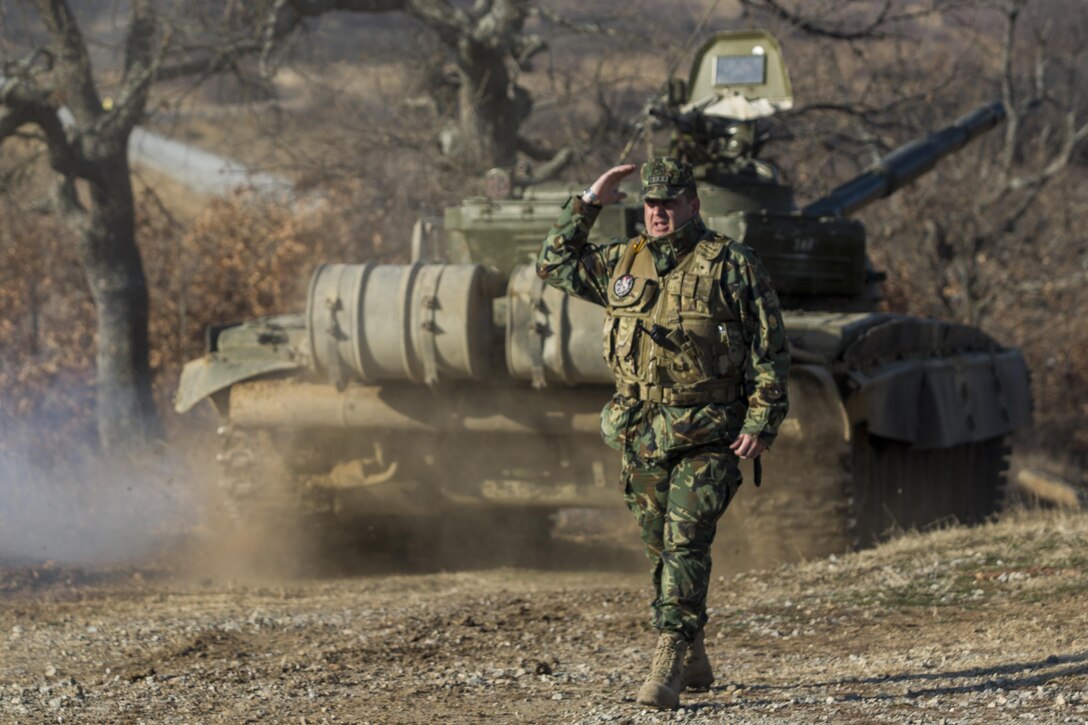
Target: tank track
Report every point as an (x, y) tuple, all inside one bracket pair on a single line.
[(890, 487), (267, 487), (897, 488), (257, 483)]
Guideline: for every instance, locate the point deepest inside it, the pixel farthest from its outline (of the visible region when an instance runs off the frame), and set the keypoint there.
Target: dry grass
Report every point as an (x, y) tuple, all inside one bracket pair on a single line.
[(1023, 559)]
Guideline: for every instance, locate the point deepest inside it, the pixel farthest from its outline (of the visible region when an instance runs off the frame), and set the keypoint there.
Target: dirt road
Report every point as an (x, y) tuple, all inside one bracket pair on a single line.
[(957, 626)]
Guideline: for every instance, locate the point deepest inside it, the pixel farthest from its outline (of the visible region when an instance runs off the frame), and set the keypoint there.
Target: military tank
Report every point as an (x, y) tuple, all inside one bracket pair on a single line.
[(461, 381)]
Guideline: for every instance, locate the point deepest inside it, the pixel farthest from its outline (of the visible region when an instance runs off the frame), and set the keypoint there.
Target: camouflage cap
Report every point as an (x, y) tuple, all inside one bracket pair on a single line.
[(664, 177)]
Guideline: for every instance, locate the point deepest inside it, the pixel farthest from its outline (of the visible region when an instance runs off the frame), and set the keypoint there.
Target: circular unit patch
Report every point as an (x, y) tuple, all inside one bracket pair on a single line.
[(624, 285)]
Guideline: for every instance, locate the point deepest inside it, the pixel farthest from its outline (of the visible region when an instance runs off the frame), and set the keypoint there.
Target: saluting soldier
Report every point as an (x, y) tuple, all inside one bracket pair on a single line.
[(695, 341)]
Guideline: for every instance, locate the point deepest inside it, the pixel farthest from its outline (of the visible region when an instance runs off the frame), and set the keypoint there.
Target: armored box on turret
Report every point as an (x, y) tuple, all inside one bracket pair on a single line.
[(461, 380)]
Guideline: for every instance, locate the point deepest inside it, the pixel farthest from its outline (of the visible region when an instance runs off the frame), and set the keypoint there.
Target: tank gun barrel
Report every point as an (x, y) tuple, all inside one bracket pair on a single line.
[(906, 163)]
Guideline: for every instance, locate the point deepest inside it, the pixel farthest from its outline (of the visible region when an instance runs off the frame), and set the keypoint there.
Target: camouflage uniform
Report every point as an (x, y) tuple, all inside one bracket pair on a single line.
[(695, 340)]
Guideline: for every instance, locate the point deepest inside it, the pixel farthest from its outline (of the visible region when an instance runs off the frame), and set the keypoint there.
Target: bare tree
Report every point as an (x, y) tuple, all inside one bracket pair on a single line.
[(93, 149), (1045, 125), (49, 93), (489, 47)]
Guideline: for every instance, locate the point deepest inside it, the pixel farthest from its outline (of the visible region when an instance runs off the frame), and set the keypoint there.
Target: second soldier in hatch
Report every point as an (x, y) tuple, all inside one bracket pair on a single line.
[(695, 341)]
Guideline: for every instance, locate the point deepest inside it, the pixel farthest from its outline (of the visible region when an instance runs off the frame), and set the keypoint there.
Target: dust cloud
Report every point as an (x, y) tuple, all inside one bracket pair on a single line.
[(96, 510), (164, 509)]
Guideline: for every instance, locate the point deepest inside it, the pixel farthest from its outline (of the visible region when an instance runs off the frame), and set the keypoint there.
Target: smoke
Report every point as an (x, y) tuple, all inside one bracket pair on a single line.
[(94, 510)]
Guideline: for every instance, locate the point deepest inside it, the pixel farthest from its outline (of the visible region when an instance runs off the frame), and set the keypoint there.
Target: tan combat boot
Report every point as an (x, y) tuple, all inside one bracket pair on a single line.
[(697, 673), (662, 687)]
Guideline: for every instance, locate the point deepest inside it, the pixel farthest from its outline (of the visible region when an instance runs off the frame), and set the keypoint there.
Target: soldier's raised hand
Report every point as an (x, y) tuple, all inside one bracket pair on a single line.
[(606, 187)]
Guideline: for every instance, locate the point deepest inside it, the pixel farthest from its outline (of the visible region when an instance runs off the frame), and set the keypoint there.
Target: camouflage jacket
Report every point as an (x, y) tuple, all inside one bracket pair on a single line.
[(655, 431)]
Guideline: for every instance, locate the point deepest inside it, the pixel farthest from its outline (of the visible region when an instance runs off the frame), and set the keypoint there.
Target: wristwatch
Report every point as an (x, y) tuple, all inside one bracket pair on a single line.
[(590, 197)]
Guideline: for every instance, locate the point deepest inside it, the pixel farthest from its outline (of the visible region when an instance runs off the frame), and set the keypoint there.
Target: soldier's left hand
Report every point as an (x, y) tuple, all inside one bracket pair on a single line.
[(748, 446)]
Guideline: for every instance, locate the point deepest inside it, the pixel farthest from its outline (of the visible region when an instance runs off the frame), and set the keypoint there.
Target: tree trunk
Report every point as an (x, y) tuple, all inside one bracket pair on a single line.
[(491, 108), (126, 412)]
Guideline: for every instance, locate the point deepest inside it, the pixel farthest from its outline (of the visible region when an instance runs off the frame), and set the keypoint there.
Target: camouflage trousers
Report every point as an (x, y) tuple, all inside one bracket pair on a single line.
[(678, 503)]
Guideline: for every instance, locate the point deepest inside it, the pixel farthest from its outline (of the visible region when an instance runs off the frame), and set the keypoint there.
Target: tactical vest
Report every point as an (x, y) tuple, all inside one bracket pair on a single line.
[(674, 340)]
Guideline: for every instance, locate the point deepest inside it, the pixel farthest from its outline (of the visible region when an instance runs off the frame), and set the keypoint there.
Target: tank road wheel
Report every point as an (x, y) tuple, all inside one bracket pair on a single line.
[(897, 487), (267, 521), (260, 487)]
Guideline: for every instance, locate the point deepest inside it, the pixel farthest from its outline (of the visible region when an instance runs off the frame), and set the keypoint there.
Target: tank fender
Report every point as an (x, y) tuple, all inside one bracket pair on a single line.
[(943, 402), (208, 375)]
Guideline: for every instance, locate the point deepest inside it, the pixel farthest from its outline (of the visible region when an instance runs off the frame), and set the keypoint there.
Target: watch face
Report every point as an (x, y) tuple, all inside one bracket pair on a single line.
[(624, 285)]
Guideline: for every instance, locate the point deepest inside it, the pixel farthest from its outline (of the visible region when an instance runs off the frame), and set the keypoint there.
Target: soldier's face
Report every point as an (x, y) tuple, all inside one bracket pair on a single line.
[(665, 216)]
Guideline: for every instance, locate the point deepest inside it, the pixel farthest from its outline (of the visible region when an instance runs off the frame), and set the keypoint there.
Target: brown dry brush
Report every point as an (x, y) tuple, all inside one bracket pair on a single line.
[(47, 328), (243, 257)]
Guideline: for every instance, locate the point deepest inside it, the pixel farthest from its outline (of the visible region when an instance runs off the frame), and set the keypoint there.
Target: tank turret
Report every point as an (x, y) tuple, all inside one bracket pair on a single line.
[(815, 254)]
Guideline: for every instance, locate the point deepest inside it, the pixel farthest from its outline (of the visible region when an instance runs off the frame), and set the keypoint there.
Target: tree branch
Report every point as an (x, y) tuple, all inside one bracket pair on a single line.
[(73, 64), (1073, 136), (526, 47), (141, 64), (869, 32), (206, 63), (450, 22), (501, 24), (277, 25), (25, 103), (1008, 88), (595, 28), (313, 8), (35, 63)]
